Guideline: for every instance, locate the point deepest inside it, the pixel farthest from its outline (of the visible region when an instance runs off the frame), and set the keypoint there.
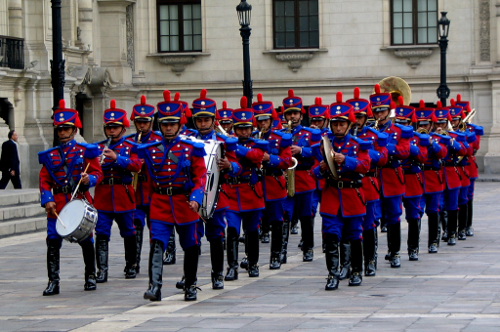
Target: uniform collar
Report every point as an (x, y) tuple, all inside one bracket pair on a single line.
[(296, 129), (69, 144), (120, 141), (387, 125), (341, 140), (210, 135)]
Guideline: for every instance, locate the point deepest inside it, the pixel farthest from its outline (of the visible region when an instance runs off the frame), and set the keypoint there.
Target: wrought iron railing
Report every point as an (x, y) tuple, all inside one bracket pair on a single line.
[(11, 52)]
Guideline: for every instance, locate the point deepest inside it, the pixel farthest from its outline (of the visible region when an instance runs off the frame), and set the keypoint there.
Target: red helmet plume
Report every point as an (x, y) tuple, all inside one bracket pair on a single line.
[(339, 97), (401, 101), (422, 103), (166, 95), (377, 88), (356, 93)]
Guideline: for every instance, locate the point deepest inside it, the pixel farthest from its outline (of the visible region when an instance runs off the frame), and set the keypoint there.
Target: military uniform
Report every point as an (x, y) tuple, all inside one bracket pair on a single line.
[(301, 202), (61, 170), (274, 185), (178, 172), (145, 113), (414, 185), (343, 203), (391, 175), (371, 188), (432, 175), (246, 196)]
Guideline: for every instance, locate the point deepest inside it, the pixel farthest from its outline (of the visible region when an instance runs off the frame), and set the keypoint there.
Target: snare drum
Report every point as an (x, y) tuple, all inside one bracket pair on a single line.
[(79, 218), (214, 153)]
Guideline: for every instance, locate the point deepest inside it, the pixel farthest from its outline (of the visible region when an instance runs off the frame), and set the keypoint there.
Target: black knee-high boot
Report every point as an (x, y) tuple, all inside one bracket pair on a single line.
[(462, 221), (276, 244), (130, 256), (307, 226), (369, 251), (101, 253), (332, 261), (356, 263), (53, 247), (139, 235), (169, 255), (253, 253), (433, 241), (89, 260), (413, 238), (443, 220), (345, 259), (232, 254), (452, 227), (394, 232), (155, 270), (217, 259), (469, 231), (285, 237), (191, 257)]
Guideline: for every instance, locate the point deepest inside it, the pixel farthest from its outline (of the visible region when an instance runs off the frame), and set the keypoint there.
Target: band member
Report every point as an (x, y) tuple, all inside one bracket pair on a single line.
[(301, 202), (115, 196), (319, 116), (178, 171), (391, 175), (276, 160), (457, 114), (204, 114), (224, 118), (433, 177), (142, 115), (473, 168), (458, 147), (412, 169), (63, 168), (343, 201), (246, 199), (371, 187)]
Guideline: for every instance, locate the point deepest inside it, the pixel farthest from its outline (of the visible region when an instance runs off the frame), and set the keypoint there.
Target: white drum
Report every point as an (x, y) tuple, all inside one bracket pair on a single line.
[(214, 153), (79, 219)]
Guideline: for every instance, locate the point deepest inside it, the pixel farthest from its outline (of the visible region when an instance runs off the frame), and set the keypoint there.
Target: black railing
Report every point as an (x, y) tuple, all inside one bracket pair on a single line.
[(12, 52)]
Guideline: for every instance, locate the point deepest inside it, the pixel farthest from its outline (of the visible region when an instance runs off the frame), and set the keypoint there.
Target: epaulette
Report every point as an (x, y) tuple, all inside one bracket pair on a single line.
[(406, 131), (460, 136), (231, 143), (260, 144), (315, 133), (191, 132), (42, 155), (198, 147), (478, 130), (423, 139), (363, 145), (443, 139), (129, 136), (224, 137), (471, 136), (286, 140), (91, 150), (383, 138)]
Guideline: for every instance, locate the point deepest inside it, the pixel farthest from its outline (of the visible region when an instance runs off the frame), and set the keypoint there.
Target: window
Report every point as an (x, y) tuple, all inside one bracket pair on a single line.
[(179, 25), (414, 22), (296, 24)]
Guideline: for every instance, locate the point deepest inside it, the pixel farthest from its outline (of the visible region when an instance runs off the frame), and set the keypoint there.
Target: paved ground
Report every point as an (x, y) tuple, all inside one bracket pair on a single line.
[(455, 290)]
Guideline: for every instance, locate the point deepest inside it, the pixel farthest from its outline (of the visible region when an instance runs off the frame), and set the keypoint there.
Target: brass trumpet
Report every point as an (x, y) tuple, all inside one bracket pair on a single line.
[(135, 177), (422, 131), (290, 172)]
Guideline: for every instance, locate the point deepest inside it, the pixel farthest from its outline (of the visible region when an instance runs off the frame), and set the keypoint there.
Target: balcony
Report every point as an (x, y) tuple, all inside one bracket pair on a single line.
[(11, 52)]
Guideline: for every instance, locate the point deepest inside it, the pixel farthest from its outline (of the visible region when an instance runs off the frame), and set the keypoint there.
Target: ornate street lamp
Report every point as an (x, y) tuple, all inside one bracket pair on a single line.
[(57, 62), (443, 92), (244, 10)]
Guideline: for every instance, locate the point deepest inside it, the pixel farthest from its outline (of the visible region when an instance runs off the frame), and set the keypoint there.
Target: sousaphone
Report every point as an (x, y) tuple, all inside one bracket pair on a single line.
[(327, 146), (396, 86)]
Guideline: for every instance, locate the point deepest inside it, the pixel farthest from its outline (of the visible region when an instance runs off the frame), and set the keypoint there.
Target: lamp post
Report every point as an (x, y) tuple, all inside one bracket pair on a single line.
[(244, 10), (57, 62), (443, 92)]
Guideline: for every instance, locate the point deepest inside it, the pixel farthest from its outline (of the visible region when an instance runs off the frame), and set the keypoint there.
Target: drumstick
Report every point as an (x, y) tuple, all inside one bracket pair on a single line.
[(78, 185), (200, 216), (60, 220)]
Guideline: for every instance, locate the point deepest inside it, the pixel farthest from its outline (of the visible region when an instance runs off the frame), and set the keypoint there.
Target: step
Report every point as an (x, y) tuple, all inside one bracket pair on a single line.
[(23, 196), (21, 211), (22, 226)]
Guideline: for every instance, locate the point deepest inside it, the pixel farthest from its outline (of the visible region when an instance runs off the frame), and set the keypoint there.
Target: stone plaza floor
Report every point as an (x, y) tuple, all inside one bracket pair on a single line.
[(457, 289)]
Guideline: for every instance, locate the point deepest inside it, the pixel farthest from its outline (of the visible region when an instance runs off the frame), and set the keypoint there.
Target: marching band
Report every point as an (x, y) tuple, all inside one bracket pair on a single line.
[(251, 172)]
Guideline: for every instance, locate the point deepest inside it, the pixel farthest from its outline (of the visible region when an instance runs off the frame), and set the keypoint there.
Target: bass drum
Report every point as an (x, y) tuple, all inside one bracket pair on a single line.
[(76, 221), (214, 153)]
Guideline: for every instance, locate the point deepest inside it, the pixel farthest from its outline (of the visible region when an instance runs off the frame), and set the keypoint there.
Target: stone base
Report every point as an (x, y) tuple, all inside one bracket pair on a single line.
[(491, 164)]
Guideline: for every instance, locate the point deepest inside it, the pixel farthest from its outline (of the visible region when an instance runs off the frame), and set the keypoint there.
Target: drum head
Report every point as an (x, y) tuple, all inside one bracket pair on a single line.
[(71, 215), (214, 153)]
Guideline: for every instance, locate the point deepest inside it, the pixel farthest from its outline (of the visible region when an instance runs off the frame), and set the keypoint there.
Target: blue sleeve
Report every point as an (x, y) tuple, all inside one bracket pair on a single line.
[(307, 152), (45, 197), (241, 151), (350, 164), (317, 173), (391, 149), (236, 169), (122, 161), (274, 160), (434, 148), (414, 150), (197, 196), (374, 156)]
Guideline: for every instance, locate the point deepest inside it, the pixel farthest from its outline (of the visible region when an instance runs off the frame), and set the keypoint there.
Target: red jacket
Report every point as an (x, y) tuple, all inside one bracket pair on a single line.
[(479, 131), (175, 165), (58, 172), (350, 201), (412, 167), (245, 190), (118, 197), (433, 173), (144, 183), (280, 159), (398, 148), (305, 138), (458, 147)]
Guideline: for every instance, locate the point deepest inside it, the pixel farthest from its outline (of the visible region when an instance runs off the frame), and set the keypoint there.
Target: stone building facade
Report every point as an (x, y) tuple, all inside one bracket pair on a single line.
[(121, 49)]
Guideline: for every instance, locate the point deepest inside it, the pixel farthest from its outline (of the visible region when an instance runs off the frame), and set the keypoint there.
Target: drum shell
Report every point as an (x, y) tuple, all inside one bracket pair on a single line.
[(88, 221), (212, 190)]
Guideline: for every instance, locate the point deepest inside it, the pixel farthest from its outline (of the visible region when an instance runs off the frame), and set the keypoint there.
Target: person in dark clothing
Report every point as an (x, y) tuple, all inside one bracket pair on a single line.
[(9, 162)]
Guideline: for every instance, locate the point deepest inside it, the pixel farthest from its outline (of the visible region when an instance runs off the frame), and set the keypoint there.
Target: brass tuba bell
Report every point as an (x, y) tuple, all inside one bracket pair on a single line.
[(396, 86)]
